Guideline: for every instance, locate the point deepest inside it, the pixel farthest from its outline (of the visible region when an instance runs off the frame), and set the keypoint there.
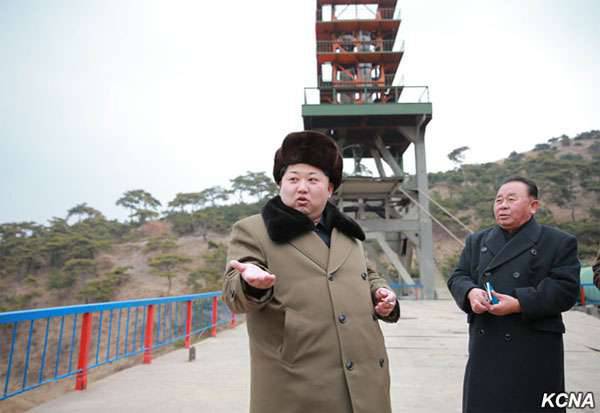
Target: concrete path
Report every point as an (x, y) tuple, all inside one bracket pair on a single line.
[(427, 349)]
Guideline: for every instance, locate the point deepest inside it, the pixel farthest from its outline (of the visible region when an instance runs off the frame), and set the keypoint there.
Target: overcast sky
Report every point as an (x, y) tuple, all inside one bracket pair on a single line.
[(98, 97)]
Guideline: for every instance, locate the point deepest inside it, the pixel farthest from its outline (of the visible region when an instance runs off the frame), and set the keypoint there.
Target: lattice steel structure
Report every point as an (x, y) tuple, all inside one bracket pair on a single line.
[(362, 104)]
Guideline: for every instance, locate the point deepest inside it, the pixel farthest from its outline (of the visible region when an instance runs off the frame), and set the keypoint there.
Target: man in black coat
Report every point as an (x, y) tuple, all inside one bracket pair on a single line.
[(516, 344)]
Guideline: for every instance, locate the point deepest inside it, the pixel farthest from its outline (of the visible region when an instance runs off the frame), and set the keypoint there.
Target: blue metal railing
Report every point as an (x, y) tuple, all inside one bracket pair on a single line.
[(588, 297), (590, 294), (404, 290), (38, 346)]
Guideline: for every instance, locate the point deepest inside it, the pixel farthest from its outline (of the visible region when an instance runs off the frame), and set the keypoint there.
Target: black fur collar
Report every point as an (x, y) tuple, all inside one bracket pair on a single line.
[(284, 223)]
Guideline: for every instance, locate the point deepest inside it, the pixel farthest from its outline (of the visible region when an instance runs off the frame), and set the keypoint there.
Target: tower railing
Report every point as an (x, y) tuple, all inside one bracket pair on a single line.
[(365, 94), (360, 13), (387, 82), (354, 46)]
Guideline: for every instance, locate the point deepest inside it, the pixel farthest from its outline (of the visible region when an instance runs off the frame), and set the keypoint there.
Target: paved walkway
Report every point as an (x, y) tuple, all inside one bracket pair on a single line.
[(427, 350)]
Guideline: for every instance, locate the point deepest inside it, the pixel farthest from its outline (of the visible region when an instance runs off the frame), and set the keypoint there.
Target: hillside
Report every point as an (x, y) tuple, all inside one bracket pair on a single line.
[(567, 172), (96, 260), (119, 272)]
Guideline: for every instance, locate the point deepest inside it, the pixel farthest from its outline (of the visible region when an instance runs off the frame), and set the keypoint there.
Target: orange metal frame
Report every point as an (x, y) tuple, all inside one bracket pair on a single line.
[(346, 62)]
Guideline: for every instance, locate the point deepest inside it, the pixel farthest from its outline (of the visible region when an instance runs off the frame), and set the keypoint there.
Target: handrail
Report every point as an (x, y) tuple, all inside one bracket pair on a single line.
[(34, 314), (400, 286), (357, 46), (440, 206), (369, 93), (388, 79), (583, 298), (382, 13), (38, 346), (437, 221)]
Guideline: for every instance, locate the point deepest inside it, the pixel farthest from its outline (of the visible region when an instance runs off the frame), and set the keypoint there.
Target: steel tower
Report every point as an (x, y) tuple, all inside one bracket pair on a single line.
[(362, 104)]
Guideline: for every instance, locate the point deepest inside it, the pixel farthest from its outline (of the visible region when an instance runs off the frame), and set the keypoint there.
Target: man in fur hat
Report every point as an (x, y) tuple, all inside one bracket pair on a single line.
[(299, 272)]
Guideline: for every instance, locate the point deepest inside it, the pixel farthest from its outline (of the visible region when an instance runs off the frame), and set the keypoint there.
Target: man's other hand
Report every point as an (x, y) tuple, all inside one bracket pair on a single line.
[(478, 299), (507, 305), (385, 301)]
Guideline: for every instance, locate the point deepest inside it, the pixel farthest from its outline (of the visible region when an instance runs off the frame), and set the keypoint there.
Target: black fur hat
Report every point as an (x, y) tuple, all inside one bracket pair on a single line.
[(313, 148)]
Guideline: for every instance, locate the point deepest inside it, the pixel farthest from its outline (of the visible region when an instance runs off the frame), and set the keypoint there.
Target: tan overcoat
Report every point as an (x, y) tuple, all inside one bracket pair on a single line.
[(315, 341)]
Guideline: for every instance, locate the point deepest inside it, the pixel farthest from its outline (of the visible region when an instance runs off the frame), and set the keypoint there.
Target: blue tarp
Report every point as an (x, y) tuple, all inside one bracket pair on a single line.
[(592, 294)]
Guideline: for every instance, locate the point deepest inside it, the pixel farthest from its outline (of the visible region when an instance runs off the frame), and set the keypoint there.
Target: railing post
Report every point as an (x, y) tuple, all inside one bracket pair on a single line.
[(84, 350), (149, 334), (215, 306), (188, 325), (582, 295)]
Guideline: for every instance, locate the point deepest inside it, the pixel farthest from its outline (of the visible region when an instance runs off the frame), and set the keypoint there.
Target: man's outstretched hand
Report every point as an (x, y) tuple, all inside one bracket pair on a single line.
[(253, 275)]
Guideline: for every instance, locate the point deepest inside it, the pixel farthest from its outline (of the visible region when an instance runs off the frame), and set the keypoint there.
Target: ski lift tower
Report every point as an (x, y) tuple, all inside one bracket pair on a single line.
[(362, 104)]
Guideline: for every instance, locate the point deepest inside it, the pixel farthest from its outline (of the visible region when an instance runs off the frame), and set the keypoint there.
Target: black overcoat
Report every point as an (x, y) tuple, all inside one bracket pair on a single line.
[(514, 359)]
